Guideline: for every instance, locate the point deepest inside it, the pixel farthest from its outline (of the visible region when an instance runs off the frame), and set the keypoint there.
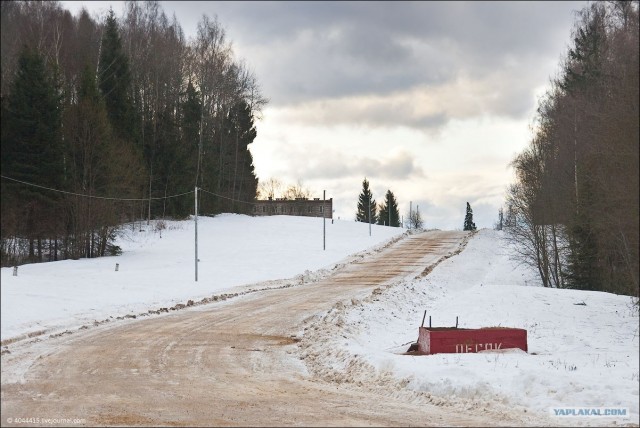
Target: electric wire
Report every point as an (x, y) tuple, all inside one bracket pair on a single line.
[(226, 197), (93, 196), (26, 183)]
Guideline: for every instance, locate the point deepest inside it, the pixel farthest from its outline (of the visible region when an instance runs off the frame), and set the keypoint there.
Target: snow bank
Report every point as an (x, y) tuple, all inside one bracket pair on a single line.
[(583, 346), (157, 268)]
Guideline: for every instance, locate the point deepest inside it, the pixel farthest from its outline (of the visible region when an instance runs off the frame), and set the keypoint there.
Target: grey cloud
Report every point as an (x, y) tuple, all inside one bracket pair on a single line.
[(401, 166), (304, 51), (372, 47), (429, 122), (383, 114)]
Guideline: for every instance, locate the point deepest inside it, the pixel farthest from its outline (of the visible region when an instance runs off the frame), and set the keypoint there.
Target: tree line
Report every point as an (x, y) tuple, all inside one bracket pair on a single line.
[(387, 213), (108, 122), (573, 209), (368, 211)]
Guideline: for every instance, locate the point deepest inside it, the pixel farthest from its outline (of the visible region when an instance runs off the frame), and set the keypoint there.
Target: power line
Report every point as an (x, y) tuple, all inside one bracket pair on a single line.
[(92, 196), (226, 197), (127, 199)]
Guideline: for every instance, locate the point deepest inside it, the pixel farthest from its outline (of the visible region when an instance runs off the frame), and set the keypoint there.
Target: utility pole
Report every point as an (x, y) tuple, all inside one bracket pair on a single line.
[(575, 156), (149, 214), (369, 215), (196, 224), (324, 220)]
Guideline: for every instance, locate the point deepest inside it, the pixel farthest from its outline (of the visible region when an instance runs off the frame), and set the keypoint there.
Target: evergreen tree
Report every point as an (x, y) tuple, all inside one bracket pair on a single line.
[(582, 267), (584, 67), (32, 147), (468, 219), (241, 181), (386, 216), (366, 205), (191, 111), (178, 147), (174, 168), (115, 82)]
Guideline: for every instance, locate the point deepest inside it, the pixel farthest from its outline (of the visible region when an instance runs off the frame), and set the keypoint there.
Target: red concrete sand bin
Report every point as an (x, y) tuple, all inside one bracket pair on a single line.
[(452, 340)]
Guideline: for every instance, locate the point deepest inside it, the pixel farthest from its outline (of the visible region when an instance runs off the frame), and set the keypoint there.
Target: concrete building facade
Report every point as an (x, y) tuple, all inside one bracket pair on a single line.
[(300, 207)]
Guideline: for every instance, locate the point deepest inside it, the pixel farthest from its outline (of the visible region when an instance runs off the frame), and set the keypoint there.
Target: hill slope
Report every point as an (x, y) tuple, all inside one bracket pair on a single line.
[(157, 268), (583, 346)]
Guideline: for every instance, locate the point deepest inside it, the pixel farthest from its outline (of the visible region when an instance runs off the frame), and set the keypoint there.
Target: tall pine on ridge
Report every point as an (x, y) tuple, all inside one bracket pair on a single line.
[(366, 205), (468, 219), (389, 216)]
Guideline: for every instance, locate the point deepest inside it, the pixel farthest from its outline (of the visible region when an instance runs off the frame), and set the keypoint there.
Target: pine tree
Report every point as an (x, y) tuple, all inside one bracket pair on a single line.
[(243, 183), (181, 169), (582, 267), (115, 82), (190, 125), (585, 57), (468, 219), (366, 205), (384, 217), (32, 148)]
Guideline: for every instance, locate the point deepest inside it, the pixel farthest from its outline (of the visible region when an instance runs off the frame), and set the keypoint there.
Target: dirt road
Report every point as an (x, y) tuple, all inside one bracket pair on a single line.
[(227, 363)]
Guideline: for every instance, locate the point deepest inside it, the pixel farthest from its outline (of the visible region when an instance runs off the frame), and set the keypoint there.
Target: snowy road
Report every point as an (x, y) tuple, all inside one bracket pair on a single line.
[(236, 362)]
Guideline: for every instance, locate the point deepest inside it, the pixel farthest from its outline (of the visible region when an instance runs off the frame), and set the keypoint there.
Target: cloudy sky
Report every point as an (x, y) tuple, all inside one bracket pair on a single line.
[(429, 99)]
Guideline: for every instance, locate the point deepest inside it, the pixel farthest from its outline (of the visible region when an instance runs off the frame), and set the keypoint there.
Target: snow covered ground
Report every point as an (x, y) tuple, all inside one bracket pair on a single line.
[(157, 268), (583, 346)]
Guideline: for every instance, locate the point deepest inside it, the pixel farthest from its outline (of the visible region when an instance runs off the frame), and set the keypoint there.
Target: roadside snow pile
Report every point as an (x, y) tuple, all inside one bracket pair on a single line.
[(157, 268), (583, 346)]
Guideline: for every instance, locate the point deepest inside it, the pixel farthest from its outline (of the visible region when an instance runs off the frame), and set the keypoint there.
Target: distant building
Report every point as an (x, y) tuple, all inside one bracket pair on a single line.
[(300, 206)]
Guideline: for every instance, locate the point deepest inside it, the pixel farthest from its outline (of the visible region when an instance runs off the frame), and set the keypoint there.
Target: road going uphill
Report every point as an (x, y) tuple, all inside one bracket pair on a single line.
[(235, 362)]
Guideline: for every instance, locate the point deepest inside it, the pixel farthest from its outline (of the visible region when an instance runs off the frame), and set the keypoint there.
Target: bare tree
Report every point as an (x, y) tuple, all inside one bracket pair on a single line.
[(298, 190), (415, 219), (270, 189)]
